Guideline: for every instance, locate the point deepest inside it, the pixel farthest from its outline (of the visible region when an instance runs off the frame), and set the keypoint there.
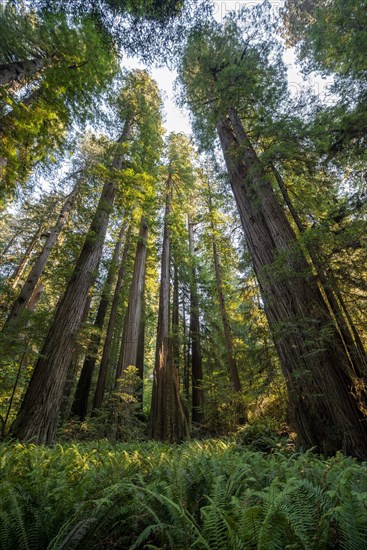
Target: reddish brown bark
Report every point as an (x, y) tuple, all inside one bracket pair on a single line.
[(195, 337), (318, 372), (37, 418), (38, 267), (167, 417), (106, 354), (347, 329), (17, 275), (235, 379), (129, 348), (81, 398)]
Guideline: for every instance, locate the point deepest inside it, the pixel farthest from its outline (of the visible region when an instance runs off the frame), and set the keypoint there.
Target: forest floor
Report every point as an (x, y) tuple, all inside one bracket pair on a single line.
[(211, 494)]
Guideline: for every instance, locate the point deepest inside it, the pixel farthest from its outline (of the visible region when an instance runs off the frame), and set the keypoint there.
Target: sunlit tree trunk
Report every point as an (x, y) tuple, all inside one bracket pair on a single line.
[(175, 320), (322, 386), (38, 267), (80, 403), (17, 275), (347, 329), (37, 418), (129, 348), (186, 353), (195, 338), (106, 353), (235, 379), (167, 418)]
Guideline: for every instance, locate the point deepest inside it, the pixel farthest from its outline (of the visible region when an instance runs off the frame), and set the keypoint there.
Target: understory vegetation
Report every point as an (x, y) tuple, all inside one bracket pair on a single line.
[(183, 282), (217, 494)]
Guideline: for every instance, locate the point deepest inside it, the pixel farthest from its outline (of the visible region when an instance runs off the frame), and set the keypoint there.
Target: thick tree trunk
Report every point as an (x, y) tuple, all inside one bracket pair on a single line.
[(129, 348), (20, 70), (196, 356), (80, 403), (318, 372), (106, 354), (167, 417), (69, 388), (141, 341), (235, 379), (347, 329), (38, 267), (37, 418)]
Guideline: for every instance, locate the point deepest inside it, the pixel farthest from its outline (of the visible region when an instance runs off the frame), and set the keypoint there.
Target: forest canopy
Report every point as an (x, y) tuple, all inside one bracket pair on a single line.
[(174, 299)]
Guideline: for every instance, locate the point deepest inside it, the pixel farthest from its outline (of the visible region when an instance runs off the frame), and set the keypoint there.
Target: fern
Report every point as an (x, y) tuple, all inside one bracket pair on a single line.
[(207, 495)]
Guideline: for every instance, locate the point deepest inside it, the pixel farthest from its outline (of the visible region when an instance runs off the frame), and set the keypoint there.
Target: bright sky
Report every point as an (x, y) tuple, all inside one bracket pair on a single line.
[(177, 120)]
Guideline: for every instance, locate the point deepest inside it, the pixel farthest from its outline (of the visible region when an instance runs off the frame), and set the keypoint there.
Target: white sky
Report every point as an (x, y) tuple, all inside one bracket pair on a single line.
[(177, 120)]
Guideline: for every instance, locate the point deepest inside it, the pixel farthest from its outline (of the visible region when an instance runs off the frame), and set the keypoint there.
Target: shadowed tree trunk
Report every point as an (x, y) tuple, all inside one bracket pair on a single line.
[(235, 379), (70, 383), (17, 275), (317, 369), (347, 329), (37, 418), (106, 354), (129, 348), (32, 304), (20, 70), (167, 417), (196, 357), (186, 352), (38, 267), (141, 348), (80, 403), (175, 320)]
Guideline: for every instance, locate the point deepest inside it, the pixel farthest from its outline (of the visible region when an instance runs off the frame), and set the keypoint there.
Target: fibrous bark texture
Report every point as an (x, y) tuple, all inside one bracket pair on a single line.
[(324, 389), (38, 415), (167, 417)]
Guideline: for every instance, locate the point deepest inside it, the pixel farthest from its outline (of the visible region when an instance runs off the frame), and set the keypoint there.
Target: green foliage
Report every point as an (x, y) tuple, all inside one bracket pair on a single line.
[(37, 112), (236, 64), (265, 435), (206, 495)]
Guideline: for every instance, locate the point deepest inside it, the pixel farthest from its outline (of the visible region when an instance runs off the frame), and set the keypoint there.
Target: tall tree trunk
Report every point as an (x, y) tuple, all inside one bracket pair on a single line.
[(130, 342), (32, 304), (36, 296), (30, 284), (105, 361), (235, 379), (81, 397), (167, 417), (20, 70), (186, 350), (65, 407), (175, 320), (17, 275), (318, 372), (37, 418), (196, 356), (141, 347), (347, 329)]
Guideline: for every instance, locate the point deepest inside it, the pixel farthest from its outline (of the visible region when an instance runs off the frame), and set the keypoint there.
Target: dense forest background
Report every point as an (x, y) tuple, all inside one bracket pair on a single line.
[(183, 323)]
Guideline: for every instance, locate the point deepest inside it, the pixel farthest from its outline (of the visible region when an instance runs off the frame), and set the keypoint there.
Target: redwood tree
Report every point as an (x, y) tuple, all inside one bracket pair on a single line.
[(37, 418), (167, 417), (80, 403), (230, 81)]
